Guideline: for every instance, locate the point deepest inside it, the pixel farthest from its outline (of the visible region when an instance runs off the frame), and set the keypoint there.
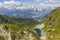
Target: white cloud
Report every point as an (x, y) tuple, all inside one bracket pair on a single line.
[(42, 6), (12, 5), (18, 5), (52, 1)]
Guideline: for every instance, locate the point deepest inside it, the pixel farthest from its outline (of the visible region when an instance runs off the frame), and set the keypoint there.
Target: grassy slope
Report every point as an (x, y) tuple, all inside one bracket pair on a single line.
[(52, 24), (1, 38), (15, 25), (21, 22)]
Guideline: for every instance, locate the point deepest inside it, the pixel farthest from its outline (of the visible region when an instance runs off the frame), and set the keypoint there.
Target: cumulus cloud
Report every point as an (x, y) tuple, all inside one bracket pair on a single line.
[(48, 0), (13, 5), (52, 1), (19, 5)]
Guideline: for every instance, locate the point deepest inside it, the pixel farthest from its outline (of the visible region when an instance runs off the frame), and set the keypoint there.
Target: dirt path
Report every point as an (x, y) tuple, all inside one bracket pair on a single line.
[(43, 34), (40, 26)]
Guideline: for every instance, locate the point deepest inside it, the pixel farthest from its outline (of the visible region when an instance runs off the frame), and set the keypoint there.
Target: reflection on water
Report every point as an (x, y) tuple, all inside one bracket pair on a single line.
[(38, 31)]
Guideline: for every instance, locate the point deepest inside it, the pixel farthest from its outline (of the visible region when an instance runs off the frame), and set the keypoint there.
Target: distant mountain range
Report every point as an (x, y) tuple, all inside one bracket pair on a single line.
[(36, 13)]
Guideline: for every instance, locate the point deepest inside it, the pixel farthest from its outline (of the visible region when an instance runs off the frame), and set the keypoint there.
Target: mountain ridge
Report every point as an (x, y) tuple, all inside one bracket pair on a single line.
[(52, 24), (27, 13)]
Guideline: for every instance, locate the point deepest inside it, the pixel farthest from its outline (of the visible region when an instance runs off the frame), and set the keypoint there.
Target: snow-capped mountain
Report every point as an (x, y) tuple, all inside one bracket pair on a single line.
[(24, 11), (37, 14)]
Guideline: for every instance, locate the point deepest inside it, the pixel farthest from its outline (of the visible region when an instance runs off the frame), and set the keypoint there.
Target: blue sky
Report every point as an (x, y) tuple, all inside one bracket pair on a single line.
[(35, 2), (23, 1)]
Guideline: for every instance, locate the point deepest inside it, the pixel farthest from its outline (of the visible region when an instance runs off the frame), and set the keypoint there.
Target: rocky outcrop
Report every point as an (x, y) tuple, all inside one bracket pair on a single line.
[(6, 35)]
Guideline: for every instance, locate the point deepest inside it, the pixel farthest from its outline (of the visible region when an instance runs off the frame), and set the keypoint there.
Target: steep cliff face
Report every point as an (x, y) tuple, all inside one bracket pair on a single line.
[(52, 25)]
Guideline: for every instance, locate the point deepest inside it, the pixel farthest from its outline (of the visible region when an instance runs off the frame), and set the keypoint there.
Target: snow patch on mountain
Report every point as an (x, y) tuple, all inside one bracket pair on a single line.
[(15, 8)]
